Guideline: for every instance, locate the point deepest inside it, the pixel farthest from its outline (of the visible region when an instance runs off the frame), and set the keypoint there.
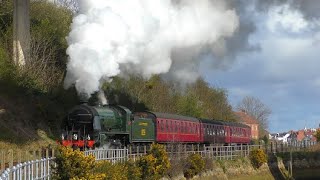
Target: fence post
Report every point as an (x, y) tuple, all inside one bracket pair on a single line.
[(10, 160), (47, 153), (2, 160)]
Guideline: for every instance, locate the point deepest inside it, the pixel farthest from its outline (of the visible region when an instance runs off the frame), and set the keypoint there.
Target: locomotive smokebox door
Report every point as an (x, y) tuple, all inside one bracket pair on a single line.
[(143, 129)]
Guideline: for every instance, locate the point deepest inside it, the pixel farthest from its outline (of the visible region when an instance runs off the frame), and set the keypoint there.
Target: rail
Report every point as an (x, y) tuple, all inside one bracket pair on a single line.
[(38, 169), (112, 155), (13, 157)]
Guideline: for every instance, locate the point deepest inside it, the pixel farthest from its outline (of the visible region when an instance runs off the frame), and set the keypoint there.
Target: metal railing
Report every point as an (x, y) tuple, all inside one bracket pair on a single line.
[(38, 169), (275, 147), (13, 157), (112, 155)]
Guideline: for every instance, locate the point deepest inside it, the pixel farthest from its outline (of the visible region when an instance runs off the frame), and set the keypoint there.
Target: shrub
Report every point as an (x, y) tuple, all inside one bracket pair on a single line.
[(195, 165), (317, 135), (133, 170), (258, 157), (73, 164), (119, 171), (155, 164), (112, 171), (6, 66), (176, 168), (147, 165), (208, 163)]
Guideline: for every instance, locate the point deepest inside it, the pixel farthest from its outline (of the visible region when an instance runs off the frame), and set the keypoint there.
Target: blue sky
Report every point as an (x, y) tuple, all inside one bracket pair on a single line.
[(283, 71)]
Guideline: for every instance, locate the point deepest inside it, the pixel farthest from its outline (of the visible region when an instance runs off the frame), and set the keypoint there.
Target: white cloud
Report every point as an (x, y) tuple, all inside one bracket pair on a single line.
[(283, 17)]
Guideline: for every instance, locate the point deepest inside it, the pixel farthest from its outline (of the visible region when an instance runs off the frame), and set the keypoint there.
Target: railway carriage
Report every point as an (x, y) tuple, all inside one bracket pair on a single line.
[(236, 133), (166, 128), (213, 131)]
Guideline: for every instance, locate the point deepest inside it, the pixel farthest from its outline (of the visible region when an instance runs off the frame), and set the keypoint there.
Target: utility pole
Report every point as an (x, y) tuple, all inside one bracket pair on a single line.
[(290, 163), (21, 32)]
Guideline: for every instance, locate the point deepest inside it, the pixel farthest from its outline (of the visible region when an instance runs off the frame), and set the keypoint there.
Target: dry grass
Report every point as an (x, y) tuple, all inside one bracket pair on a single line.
[(315, 148), (43, 142)]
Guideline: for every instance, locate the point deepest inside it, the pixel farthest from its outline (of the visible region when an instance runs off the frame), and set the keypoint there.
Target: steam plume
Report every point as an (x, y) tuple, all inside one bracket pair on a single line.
[(102, 98), (142, 36)]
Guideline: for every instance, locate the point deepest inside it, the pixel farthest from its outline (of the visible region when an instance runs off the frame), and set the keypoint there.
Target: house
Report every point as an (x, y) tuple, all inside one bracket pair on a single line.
[(248, 120), (283, 137), (303, 135)]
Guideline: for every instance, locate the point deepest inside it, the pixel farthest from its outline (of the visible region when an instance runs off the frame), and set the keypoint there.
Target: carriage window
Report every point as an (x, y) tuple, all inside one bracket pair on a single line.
[(206, 129), (184, 127), (175, 126), (173, 123), (191, 127), (163, 126), (167, 126), (178, 127)]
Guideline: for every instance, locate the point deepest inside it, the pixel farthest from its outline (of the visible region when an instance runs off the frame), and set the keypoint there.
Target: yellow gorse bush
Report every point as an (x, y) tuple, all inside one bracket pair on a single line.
[(195, 164), (155, 164), (119, 171), (73, 164), (258, 157)]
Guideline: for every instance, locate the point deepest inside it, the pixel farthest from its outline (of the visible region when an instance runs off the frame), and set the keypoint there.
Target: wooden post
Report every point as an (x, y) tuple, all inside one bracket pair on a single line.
[(2, 160), (217, 151), (10, 155), (47, 153), (53, 153)]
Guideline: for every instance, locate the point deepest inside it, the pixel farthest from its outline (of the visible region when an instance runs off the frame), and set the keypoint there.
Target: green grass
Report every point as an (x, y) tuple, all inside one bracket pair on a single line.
[(310, 173)]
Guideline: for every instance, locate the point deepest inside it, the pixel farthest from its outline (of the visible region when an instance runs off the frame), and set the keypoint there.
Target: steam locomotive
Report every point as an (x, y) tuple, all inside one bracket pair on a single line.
[(94, 126)]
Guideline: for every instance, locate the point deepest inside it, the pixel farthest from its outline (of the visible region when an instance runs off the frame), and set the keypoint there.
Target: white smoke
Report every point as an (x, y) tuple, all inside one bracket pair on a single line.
[(108, 36), (102, 98)]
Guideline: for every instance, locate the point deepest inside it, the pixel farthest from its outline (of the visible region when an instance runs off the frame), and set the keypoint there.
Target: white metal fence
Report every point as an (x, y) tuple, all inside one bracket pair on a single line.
[(38, 169), (112, 155), (13, 157)]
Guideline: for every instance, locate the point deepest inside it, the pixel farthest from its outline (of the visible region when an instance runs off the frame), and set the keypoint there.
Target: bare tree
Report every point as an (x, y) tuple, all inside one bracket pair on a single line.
[(254, 107), (69, 4), (42, 69)]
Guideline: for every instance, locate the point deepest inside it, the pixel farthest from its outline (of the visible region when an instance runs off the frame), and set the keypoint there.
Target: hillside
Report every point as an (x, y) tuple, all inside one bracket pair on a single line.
[(23, 114)]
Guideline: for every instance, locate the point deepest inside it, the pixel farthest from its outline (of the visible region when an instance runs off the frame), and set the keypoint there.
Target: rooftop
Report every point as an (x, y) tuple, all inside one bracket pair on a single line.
[(246, 118)]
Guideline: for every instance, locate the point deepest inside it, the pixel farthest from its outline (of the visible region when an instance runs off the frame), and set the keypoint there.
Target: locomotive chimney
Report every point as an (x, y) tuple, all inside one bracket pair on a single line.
[(83, 98)]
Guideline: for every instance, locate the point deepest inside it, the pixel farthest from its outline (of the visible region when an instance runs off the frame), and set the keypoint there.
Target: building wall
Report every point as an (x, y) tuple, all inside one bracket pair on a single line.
[(254, 131)]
